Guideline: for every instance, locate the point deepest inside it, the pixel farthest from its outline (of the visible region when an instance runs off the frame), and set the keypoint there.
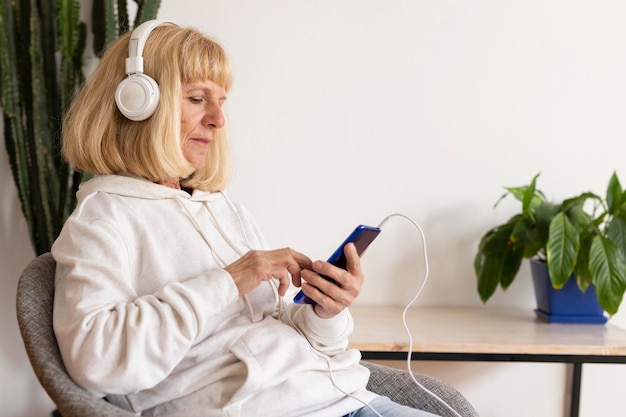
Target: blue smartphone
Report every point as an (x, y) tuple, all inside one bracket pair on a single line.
[(362, 236)]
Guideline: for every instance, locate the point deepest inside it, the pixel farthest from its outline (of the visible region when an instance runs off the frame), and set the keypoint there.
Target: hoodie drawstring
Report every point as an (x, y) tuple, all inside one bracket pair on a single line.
[(277, 297), (222, 263)]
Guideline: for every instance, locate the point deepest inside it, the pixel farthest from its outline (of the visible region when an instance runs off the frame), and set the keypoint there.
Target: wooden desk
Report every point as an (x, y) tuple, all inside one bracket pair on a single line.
[(486, 334)]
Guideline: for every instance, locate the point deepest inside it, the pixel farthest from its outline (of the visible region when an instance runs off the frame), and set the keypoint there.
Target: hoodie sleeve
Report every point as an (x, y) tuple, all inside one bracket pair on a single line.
[(329, 336), (112, 340)]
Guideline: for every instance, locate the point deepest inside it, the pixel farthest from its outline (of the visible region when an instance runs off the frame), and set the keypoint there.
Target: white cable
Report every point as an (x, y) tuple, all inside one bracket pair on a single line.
[(404, 322), (410, 303), (328, 365), (347, 394)]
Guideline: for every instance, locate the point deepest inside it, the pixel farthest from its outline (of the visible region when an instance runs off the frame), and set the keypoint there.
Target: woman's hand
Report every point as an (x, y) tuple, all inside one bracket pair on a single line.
[(333, 297), (257, 266)]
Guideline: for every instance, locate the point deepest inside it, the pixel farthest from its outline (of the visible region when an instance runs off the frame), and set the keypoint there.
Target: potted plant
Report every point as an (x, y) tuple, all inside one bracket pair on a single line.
[(42, 45), (582, 238)]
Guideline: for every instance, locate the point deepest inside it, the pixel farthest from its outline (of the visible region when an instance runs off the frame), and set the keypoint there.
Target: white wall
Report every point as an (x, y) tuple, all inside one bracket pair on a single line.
[(344, 111), (21, 395)]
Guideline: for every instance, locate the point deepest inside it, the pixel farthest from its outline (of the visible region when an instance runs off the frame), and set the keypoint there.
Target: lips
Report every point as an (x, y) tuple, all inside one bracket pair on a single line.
[(202, 141)]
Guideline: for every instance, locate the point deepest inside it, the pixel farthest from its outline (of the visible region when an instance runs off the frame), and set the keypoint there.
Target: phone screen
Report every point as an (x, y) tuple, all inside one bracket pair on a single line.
[(362, 236)]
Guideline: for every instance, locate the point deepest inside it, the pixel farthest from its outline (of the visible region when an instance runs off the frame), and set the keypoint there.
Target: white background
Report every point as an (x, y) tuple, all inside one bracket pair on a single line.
[(343, 112)]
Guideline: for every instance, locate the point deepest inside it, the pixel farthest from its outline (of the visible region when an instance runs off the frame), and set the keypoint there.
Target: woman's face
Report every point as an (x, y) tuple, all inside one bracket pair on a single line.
[(201, 117)]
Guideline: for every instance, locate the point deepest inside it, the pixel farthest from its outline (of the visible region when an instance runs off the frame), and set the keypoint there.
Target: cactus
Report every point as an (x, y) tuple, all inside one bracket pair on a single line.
[(42, 45), (107, 25)]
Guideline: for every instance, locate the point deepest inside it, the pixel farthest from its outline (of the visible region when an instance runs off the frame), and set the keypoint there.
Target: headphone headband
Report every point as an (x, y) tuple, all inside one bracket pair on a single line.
[(138, 38)]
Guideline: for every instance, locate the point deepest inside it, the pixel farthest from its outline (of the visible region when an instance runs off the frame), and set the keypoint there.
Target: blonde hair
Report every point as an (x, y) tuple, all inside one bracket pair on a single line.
[(98, 139)]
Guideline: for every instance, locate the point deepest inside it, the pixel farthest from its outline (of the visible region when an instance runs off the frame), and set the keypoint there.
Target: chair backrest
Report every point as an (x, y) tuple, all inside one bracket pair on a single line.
[(35, 295)]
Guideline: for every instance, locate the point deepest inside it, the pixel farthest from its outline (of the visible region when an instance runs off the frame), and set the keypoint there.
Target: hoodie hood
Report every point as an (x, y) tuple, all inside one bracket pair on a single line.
[(137, 187)]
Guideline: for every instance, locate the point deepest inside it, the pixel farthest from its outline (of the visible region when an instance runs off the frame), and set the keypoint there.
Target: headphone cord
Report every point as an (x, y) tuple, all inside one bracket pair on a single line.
[(410, 303)]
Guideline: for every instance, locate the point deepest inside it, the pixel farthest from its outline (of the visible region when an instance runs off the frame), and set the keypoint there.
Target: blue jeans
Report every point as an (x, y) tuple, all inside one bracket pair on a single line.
[(387, 408)]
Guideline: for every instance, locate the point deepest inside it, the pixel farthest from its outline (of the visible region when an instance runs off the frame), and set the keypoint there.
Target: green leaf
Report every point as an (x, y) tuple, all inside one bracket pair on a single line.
[(524, 238), (529, 196), (574, 210), (510, 266), (616, 231), (608, 267), (544, 214), (520, 193), (488, 274), (614, 195), (523, 232), (581, 269), (496, 262), (496, 240), (528, 192), (621, 211), (562, 249)]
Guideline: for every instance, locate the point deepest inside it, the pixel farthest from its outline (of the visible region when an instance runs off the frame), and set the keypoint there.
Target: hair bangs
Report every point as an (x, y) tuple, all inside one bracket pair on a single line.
[(205, 60)]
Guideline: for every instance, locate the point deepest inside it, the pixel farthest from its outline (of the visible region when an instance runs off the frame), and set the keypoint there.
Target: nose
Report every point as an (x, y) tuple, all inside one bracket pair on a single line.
[(214, 115)]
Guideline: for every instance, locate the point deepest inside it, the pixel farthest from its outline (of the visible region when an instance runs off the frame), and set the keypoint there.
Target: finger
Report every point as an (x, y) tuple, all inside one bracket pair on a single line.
[(295, 272), (303, 261), (283, 282), (328, 270), (353, 261), (327, 288), (298, 262), (315, 294), (296, 280), (320, 276), (325, 306), (290, 264)]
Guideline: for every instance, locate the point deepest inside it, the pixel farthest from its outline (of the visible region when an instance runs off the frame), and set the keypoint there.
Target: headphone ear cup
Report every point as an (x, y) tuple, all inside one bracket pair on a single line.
[(137, 96)]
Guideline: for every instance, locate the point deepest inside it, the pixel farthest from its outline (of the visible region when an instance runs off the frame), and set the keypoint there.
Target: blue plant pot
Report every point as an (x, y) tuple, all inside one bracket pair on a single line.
[(567, 305)]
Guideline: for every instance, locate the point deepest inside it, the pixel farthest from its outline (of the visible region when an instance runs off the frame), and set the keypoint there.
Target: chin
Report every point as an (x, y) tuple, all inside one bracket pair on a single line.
[(197, 161)]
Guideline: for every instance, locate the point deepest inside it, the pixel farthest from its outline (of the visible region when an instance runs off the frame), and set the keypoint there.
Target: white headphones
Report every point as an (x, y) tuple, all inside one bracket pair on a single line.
[(137, 95)]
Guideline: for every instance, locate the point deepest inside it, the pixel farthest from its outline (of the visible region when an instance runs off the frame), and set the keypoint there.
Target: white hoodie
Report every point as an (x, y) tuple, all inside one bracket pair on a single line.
[(146, 315)]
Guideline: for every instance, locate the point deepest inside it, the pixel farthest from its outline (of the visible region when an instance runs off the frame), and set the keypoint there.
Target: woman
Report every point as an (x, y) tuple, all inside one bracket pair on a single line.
[(168, 300)]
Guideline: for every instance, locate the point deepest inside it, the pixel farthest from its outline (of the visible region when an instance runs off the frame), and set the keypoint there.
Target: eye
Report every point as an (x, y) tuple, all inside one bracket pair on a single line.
[(195, 100)]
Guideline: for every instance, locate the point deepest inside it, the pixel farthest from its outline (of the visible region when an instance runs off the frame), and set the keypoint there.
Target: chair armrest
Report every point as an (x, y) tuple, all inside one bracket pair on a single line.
[(398, 385)]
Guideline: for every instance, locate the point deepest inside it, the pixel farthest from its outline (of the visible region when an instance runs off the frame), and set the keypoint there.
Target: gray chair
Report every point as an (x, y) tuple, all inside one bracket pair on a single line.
[(35, 294)]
